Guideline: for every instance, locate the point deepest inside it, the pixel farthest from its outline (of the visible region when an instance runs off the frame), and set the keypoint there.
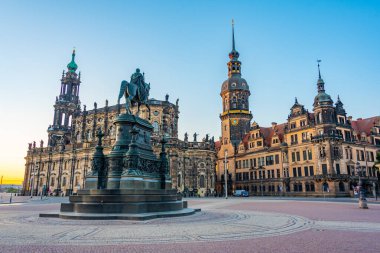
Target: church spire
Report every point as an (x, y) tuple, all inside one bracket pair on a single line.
[(233, 36), (320, 83), (234, 63)]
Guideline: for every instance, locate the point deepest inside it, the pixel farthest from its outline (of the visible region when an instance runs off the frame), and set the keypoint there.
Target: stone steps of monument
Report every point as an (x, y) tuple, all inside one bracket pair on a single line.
[(126, 192), (122, 198), (139, 207)]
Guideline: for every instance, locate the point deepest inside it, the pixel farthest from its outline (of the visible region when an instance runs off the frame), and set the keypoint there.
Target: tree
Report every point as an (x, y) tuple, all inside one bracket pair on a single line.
[(12, 190)]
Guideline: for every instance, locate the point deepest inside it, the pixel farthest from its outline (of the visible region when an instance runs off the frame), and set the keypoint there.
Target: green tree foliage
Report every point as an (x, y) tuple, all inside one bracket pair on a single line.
[(12, 190)]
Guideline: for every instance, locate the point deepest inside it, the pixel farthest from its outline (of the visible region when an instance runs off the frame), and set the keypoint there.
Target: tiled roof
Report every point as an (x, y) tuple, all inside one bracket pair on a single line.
[(364, 125), (268, 133)]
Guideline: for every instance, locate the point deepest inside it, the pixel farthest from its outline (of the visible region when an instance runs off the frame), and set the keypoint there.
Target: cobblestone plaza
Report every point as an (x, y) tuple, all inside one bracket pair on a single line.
[(232, 225)]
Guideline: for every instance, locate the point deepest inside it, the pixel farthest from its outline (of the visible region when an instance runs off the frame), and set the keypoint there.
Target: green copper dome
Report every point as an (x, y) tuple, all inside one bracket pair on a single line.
[(72, 66)]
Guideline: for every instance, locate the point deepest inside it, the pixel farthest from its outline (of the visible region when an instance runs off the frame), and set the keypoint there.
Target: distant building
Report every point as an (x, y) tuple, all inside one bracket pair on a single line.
[(62, 165), (312, 154)]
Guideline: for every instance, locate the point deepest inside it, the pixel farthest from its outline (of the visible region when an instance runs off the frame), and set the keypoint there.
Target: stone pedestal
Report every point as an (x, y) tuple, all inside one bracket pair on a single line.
[(130, 183)]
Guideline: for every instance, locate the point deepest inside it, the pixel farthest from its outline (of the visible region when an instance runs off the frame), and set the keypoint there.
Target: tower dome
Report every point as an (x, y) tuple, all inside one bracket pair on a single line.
[(72, 66), (322, 98)]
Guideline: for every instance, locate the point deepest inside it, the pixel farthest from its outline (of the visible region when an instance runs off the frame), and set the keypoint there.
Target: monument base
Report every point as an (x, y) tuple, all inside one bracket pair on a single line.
[(124, 204), (120, 216)]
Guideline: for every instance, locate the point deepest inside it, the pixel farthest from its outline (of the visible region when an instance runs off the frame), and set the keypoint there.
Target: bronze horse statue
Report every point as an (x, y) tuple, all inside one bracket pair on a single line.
[(135, 92)]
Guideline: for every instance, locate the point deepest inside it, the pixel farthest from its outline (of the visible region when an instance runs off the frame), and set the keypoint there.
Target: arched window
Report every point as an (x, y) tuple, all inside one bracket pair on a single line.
[(179, 180), (234, 102), (88, 135), (78, 137), (156, 127), (202, 181), (76, 182), (63, 119)]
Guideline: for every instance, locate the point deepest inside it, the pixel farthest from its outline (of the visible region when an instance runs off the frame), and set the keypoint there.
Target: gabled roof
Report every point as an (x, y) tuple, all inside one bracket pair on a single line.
[(268, 133), (364, 125)]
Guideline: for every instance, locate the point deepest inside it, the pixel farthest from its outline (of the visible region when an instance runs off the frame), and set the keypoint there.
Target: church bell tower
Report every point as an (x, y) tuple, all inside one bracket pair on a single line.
[(236, 117), (67, 104)]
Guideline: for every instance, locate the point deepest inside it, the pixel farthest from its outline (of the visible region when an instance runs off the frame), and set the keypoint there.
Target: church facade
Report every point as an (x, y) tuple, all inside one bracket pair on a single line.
[(317, 153), (60, 167)]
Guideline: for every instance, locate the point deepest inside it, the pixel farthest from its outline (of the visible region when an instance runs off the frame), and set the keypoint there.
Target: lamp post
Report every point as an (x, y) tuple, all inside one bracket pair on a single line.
[(85, 169), (61, 154), (73, 161), (262, 170), (10, 200), (31, 170), (225, 174), (47, 185), (362, 199), (31, 185), (38, 171)]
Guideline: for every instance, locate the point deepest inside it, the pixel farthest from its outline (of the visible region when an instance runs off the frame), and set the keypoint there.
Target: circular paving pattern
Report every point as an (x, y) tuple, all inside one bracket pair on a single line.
[(225, 222), (210, 225)]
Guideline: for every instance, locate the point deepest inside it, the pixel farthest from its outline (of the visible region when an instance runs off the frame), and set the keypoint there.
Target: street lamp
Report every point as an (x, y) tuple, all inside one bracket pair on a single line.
[(225, 173), (262, 174), (47, 184), (85, 168), (73, 161), (39, 170), (362, 199)]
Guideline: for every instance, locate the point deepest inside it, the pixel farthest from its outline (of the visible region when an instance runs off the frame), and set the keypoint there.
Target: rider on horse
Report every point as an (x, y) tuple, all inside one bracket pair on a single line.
[(137, 91)]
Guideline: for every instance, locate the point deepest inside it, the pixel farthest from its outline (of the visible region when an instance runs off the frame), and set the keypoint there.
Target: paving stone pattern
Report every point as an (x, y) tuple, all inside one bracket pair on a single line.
[(234, 220)]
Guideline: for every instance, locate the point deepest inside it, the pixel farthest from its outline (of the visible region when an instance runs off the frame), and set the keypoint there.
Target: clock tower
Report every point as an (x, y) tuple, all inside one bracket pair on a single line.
[(236, 117)]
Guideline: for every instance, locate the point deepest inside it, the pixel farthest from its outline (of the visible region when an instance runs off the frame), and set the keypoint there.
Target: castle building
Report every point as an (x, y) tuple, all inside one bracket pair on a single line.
[(318, 153), (61, 166)]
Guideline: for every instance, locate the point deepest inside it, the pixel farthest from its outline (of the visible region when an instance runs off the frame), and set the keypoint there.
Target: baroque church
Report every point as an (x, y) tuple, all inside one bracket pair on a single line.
[(60, 167), (318, 153)]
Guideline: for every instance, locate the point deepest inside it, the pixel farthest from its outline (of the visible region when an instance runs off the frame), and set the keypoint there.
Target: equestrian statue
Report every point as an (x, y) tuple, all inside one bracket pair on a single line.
[(135, 92)]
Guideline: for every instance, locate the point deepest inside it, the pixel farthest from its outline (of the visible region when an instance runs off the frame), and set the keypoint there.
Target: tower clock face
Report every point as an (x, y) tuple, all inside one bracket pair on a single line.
[(234, 122)]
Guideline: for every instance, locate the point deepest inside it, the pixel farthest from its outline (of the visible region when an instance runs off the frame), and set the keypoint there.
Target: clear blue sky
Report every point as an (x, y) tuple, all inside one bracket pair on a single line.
[(183, 46)]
